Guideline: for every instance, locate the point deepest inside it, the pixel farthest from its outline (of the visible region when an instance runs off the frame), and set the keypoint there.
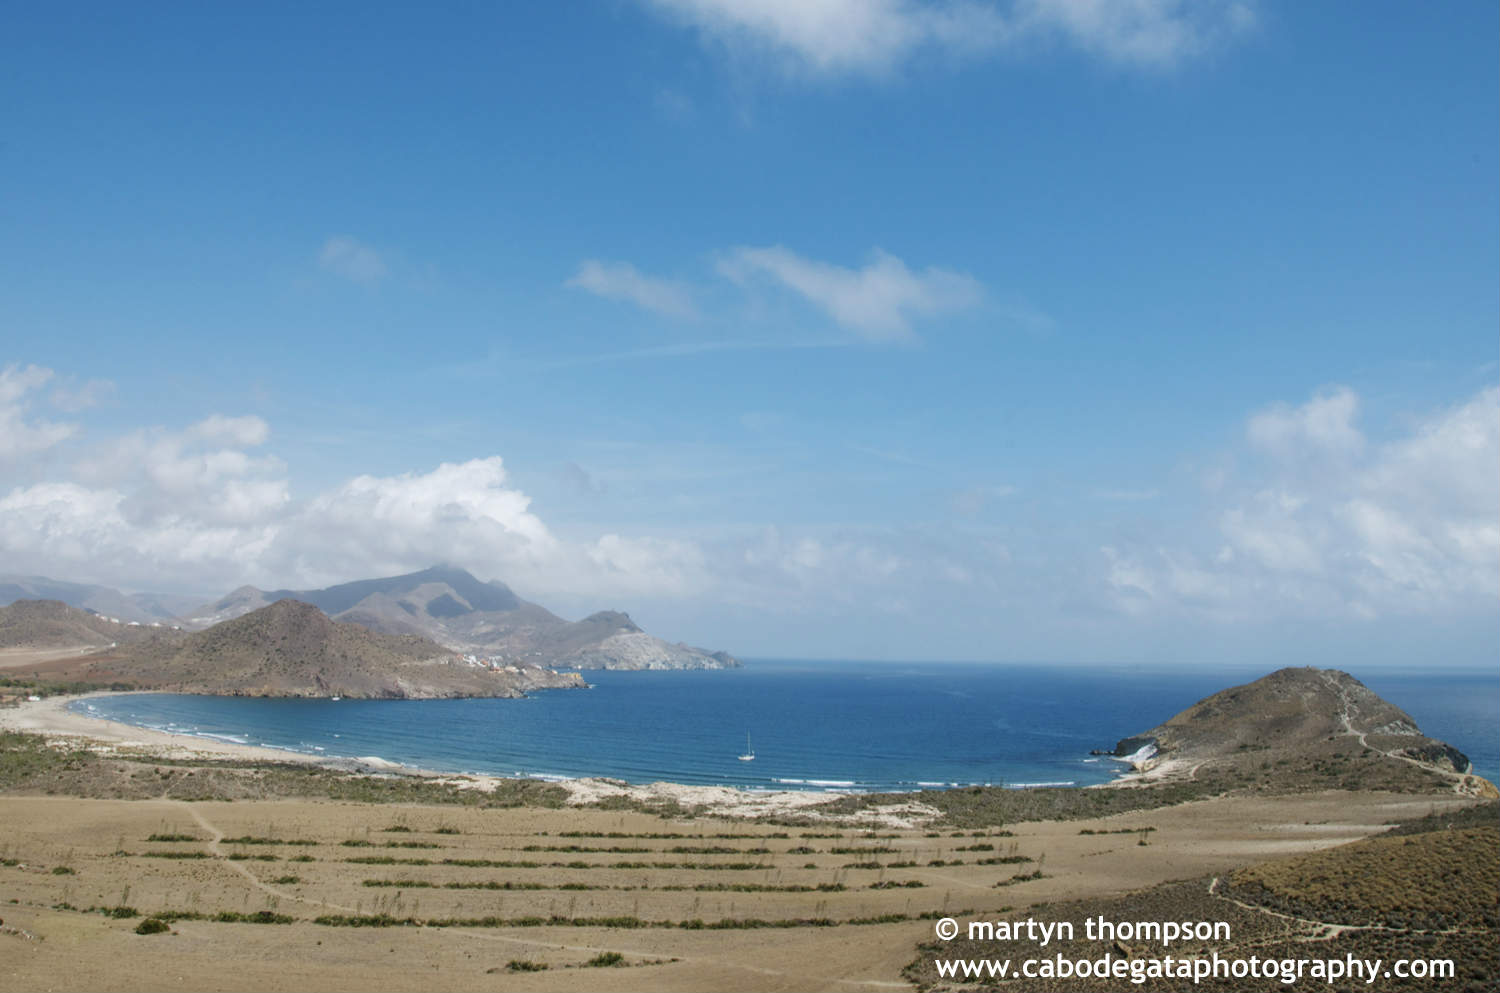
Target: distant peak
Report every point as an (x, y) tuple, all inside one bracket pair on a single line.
[(287, 607), (612, 618)]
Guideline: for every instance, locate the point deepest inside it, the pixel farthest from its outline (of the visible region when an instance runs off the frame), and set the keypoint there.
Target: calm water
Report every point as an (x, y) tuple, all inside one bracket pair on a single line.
[(842, 725)]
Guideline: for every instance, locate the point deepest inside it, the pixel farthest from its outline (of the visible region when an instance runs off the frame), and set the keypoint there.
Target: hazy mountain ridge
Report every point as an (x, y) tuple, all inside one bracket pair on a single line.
[(456, 610), (142, 607), (290, 648)]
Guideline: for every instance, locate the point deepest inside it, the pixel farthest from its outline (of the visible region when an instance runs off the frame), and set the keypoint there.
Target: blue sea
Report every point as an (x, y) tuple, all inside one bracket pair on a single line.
[(812, 725)]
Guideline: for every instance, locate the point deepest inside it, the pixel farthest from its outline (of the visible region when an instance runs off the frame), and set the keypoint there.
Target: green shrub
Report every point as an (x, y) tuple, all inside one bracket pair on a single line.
[(152, 925), (524, 965)]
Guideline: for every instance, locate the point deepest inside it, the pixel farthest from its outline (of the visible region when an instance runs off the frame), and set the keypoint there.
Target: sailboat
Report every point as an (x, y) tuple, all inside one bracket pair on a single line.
[(749, 755)]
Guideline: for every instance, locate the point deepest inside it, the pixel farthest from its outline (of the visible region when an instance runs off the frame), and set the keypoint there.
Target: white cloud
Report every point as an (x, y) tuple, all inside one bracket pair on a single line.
[(1147, 33), (1323, 426), (1405, 532), (1400, 529), (461, 512), (346, 256), (877, 302), (650, 566), (73, 398), (20, 435), (838, 36), (622, 281), (842, 37)]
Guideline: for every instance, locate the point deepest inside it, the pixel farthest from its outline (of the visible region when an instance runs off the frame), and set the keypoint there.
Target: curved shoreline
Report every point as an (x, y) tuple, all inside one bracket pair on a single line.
[(290, 742), (51, 718)]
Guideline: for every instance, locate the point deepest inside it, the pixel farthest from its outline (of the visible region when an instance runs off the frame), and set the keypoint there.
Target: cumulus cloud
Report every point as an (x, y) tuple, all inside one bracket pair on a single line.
[(347, 256), (622, 281), (878, 302), (843, 37), (462, 512), (20, 433), (1403, 528), (200, 508), (1322, 426)]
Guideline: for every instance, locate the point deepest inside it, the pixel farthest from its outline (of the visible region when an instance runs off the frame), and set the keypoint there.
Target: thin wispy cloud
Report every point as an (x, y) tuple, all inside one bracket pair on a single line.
[(346, 256), (623, 281), (684, 349), (972, 501), (878, 302), (830, 38), (73, 397), (885, 455), (1126, 496)]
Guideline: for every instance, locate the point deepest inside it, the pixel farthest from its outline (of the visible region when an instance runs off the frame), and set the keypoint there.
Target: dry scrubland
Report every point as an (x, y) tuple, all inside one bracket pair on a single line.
[(324, 894), (1428, 889)]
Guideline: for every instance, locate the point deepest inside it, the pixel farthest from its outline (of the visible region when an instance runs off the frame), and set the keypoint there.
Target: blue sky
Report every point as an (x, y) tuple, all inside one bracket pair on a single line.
[(1045, 330)]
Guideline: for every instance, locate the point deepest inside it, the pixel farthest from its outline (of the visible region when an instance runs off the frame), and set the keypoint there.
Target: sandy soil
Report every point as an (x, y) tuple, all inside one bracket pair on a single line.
[(12, 658), (105, 844)]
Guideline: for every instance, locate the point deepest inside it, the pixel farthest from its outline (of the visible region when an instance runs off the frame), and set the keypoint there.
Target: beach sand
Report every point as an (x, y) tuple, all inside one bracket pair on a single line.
[(51, 718)]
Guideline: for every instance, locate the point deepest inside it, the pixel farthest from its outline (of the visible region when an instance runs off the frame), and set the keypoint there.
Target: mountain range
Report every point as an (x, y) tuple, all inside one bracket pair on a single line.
[(444, 604), (144, 608), (285, 649)]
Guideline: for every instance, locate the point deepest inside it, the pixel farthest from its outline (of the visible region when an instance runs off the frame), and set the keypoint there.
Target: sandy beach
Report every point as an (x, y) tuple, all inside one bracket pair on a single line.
[(52, 718)]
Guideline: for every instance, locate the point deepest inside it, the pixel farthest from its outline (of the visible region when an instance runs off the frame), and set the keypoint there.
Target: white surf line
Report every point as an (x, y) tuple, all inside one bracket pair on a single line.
[(217, 852)]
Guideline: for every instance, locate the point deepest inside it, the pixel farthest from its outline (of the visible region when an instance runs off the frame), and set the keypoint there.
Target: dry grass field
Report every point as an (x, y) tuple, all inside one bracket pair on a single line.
[(297, 894)]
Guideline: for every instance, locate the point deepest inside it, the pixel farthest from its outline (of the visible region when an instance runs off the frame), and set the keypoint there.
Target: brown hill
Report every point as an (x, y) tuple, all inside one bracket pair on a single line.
[(1297, 722), (44, 624), (291, 648)]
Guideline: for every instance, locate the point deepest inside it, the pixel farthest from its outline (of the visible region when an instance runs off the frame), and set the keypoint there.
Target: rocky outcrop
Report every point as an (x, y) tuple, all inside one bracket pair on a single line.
[(638, 650)]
